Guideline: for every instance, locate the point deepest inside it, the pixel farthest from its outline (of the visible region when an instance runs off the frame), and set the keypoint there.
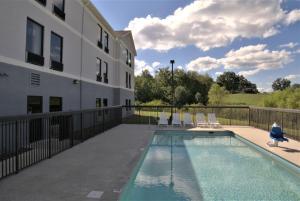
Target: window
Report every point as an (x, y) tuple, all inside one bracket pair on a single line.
[(129, 103), (105, 102), (105, 73), (129, 59), (126, 104), (126, 79), (56, 52), (59, 8), (55, 104), (129, 81), (99, 77), (98, 103), (34, 104), (43, 2), (100, 45), (106, 38), (127, 56), (34, 43)]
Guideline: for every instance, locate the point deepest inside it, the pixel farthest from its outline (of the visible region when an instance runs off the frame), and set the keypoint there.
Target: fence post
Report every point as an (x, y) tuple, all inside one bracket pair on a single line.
[(249, 117), (72, 131), (282, 120), (103, 120), (81, 126), (269, 119), (49, 138), (17, 147), (230, 116)]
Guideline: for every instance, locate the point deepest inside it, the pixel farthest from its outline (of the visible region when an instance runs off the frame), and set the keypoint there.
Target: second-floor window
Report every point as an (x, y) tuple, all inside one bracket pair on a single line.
[(105, 73), (34, 43), (59, 8), (99, 74), (128, 57), (100, 45), (56, 52), (106, 42)]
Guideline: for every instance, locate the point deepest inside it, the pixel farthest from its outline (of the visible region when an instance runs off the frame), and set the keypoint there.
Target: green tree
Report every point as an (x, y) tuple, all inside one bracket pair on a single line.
[(281, 84), (144, 85), (236, 83), (217, 94), (198, 98), (181, 95)]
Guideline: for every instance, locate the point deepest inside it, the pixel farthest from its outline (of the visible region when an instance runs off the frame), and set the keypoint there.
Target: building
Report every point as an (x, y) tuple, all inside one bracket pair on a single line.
[(62, 55)]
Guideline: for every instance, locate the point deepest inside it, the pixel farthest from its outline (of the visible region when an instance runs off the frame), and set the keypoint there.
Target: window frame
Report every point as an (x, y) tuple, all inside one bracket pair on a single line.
[(105, 75), (61, 46), (42, 37), (60, 103), (100, 39), (99, 74), (106, 47)]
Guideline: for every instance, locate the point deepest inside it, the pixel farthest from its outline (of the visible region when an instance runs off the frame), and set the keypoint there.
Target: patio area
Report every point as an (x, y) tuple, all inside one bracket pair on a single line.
[(104, 163)]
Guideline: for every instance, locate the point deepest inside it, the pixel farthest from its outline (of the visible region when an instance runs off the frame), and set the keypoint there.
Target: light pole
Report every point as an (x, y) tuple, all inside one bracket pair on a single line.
[(172, 64)]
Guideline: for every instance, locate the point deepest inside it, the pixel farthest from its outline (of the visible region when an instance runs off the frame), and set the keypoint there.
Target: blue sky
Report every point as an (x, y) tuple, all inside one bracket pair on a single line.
[(256, 38)]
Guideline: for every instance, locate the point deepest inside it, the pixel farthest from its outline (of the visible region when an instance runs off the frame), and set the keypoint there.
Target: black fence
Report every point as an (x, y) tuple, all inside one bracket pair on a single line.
[(29, 139), (261, 118)]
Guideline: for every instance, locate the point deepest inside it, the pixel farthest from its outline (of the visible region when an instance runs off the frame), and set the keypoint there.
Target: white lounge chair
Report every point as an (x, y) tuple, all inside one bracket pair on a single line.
[(187, 120), (200, 120), (163, 121), (212, 120), (176, 120)]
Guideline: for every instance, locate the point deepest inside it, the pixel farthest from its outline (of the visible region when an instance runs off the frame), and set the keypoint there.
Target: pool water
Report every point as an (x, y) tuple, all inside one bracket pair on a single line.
[(181, 166)]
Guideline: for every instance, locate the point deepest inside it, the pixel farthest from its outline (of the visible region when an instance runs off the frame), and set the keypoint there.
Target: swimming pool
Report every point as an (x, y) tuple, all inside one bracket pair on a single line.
[(183, 165)]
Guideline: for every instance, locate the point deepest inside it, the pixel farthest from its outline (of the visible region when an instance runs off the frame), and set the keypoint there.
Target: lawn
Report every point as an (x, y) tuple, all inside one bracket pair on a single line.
[(245, 99)]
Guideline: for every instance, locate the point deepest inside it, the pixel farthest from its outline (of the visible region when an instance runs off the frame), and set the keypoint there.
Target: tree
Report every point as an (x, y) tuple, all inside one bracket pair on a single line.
[(181, 95), (281, 84), (144, 85), (236, 83), (230, 81), (217, 94), (198, 98), (296, 86)]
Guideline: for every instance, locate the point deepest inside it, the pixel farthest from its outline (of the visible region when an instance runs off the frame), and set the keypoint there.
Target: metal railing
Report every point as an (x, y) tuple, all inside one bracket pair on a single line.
[(29, 139), (261, 118)]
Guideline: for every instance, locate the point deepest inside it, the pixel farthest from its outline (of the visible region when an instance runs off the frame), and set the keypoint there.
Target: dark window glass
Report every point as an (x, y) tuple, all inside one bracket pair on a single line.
[(127, 56), (129, 81), (98, 103), (106, 40), (56, 47), (105, 73), (99, 66), (34, 104), (129, 59), (126, 104), (59, 4), (55, 104), (34, 38), (100, 33), (105, 102), (129, 103)]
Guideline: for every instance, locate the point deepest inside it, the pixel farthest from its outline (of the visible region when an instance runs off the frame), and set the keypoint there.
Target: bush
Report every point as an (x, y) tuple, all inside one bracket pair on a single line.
[(289, 98)]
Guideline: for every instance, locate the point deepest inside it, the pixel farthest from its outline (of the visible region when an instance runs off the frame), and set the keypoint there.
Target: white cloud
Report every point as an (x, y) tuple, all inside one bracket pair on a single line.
[(249, 60), (289, 45), (180, 67), (155, 64), (208, 24), (203, 64), (293, 77), (218, 73), (141, 65)]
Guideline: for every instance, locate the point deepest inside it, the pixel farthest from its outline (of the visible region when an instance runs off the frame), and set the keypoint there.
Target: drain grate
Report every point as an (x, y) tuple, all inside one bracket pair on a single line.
[(95, 194)]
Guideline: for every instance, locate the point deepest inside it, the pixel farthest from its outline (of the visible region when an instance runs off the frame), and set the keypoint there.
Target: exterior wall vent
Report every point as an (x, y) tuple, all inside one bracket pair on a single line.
[(35, 79)]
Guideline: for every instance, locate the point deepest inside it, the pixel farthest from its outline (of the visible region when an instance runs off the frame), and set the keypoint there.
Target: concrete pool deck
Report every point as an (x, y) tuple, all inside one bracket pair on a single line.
[(104, 164)]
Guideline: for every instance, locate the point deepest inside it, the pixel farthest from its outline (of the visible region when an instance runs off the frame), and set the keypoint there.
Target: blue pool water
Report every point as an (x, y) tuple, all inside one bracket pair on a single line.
[(181, 166)]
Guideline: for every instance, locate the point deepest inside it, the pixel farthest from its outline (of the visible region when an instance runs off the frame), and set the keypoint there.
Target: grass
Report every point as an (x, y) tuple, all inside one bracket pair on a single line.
[(245, 99)]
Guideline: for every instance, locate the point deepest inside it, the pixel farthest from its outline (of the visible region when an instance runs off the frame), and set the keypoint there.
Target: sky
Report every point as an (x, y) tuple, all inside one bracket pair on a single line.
[(259, 39)]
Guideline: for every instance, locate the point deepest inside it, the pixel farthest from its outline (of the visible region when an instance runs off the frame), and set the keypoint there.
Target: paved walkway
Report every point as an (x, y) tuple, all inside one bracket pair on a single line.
[(102, 163)]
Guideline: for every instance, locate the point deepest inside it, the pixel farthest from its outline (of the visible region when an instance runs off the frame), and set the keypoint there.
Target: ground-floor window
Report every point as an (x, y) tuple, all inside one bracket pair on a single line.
[(55, 104), (34, 104), (105, 102)]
